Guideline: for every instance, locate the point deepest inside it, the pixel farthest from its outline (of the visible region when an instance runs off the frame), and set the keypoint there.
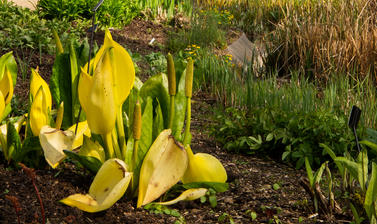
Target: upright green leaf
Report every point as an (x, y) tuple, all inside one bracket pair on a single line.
[(371, 195), (180, 108), (158, 122), (156, 87), (60, 85), (74, 80), (362, 160), (333, 156), (13, 142), (351, 166), (309, 171), (318, 174)]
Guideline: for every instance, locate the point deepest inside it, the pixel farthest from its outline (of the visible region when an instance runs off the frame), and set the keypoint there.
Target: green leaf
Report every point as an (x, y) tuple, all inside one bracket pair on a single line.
[(212, 200), (129, 105), (309, 171), (218, 187), (75, 104), (333, 156), (89, 162), (158, 122), (9, 61), (371, 194), (157, 87), (362, 160), (318, 173), (30, 144), (60, 85), (180, 108), (350, 165), (13, 142)]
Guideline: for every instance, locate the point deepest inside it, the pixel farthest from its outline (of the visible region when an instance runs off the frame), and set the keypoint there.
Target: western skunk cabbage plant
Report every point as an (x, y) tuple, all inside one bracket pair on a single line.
[(137, 128)]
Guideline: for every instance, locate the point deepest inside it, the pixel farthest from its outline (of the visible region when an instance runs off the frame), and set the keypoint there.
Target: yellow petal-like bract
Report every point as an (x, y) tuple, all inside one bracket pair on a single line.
[(93, 149), (2, 104), (163, 166), (82, 129), (187, 195), (108, 187), (203, 167), (6, 86), (38, 112), (35, 85), (53, 142), (96, 95)]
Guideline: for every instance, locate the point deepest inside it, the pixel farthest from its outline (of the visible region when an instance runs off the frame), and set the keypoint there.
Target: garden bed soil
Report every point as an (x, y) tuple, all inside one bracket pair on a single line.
[(260, 185)]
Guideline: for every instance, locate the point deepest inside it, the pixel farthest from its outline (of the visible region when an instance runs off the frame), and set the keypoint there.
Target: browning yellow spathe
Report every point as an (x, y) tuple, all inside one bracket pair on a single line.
[(53, 142), (187, 195), (82, 129), (163, 166), (108, 187)]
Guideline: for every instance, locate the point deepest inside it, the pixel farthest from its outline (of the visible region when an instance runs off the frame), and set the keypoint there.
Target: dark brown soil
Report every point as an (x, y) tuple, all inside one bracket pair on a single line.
[(251, 179)]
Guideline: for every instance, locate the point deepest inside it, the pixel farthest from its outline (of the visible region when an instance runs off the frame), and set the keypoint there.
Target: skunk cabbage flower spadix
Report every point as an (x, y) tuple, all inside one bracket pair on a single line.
[(96, 96), (38, 112), (203, 167), (53, 142), (36, 83), (82, 129), (108, 187), (163, 166), (187, 195), (6, 86)]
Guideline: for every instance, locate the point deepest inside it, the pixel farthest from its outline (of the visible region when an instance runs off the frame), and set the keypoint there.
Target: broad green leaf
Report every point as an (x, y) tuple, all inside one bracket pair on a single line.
[(371, 194), (9, 61), (13, 141), (333, 156), (146, 138), (108, 187), (180, 108), (370, 144), (157, 87), (75, 74), (60, 85), (89, 162), (218, 187), (352, 167)]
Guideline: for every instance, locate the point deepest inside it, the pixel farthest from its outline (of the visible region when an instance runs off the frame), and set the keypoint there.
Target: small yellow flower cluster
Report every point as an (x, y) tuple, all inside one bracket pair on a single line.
[(228, 58), (192, 50)]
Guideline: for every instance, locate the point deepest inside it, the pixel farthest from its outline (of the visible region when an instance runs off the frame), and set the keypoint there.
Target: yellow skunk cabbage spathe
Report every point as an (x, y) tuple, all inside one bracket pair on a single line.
[(53, 142), (82, 129), (96, 95), (38, 112), (108, 187), (36, 83), (122, 67), (203, 167), (187, 195), (163, 166), (6, 86)]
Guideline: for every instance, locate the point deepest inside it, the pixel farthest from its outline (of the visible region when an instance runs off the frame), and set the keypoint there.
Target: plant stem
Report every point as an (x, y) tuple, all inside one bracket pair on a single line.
[(117, 151), (121, 135), (187, 136), (109, 145), (172, 111)]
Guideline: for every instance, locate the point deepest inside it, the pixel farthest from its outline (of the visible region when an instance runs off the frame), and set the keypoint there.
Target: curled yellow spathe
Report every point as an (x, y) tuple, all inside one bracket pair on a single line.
[(82, 129), (6, 86), (108, 187), (122, 67), (203, 167), (53, 142), (38, 112), (96, 95), (36, 83)]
